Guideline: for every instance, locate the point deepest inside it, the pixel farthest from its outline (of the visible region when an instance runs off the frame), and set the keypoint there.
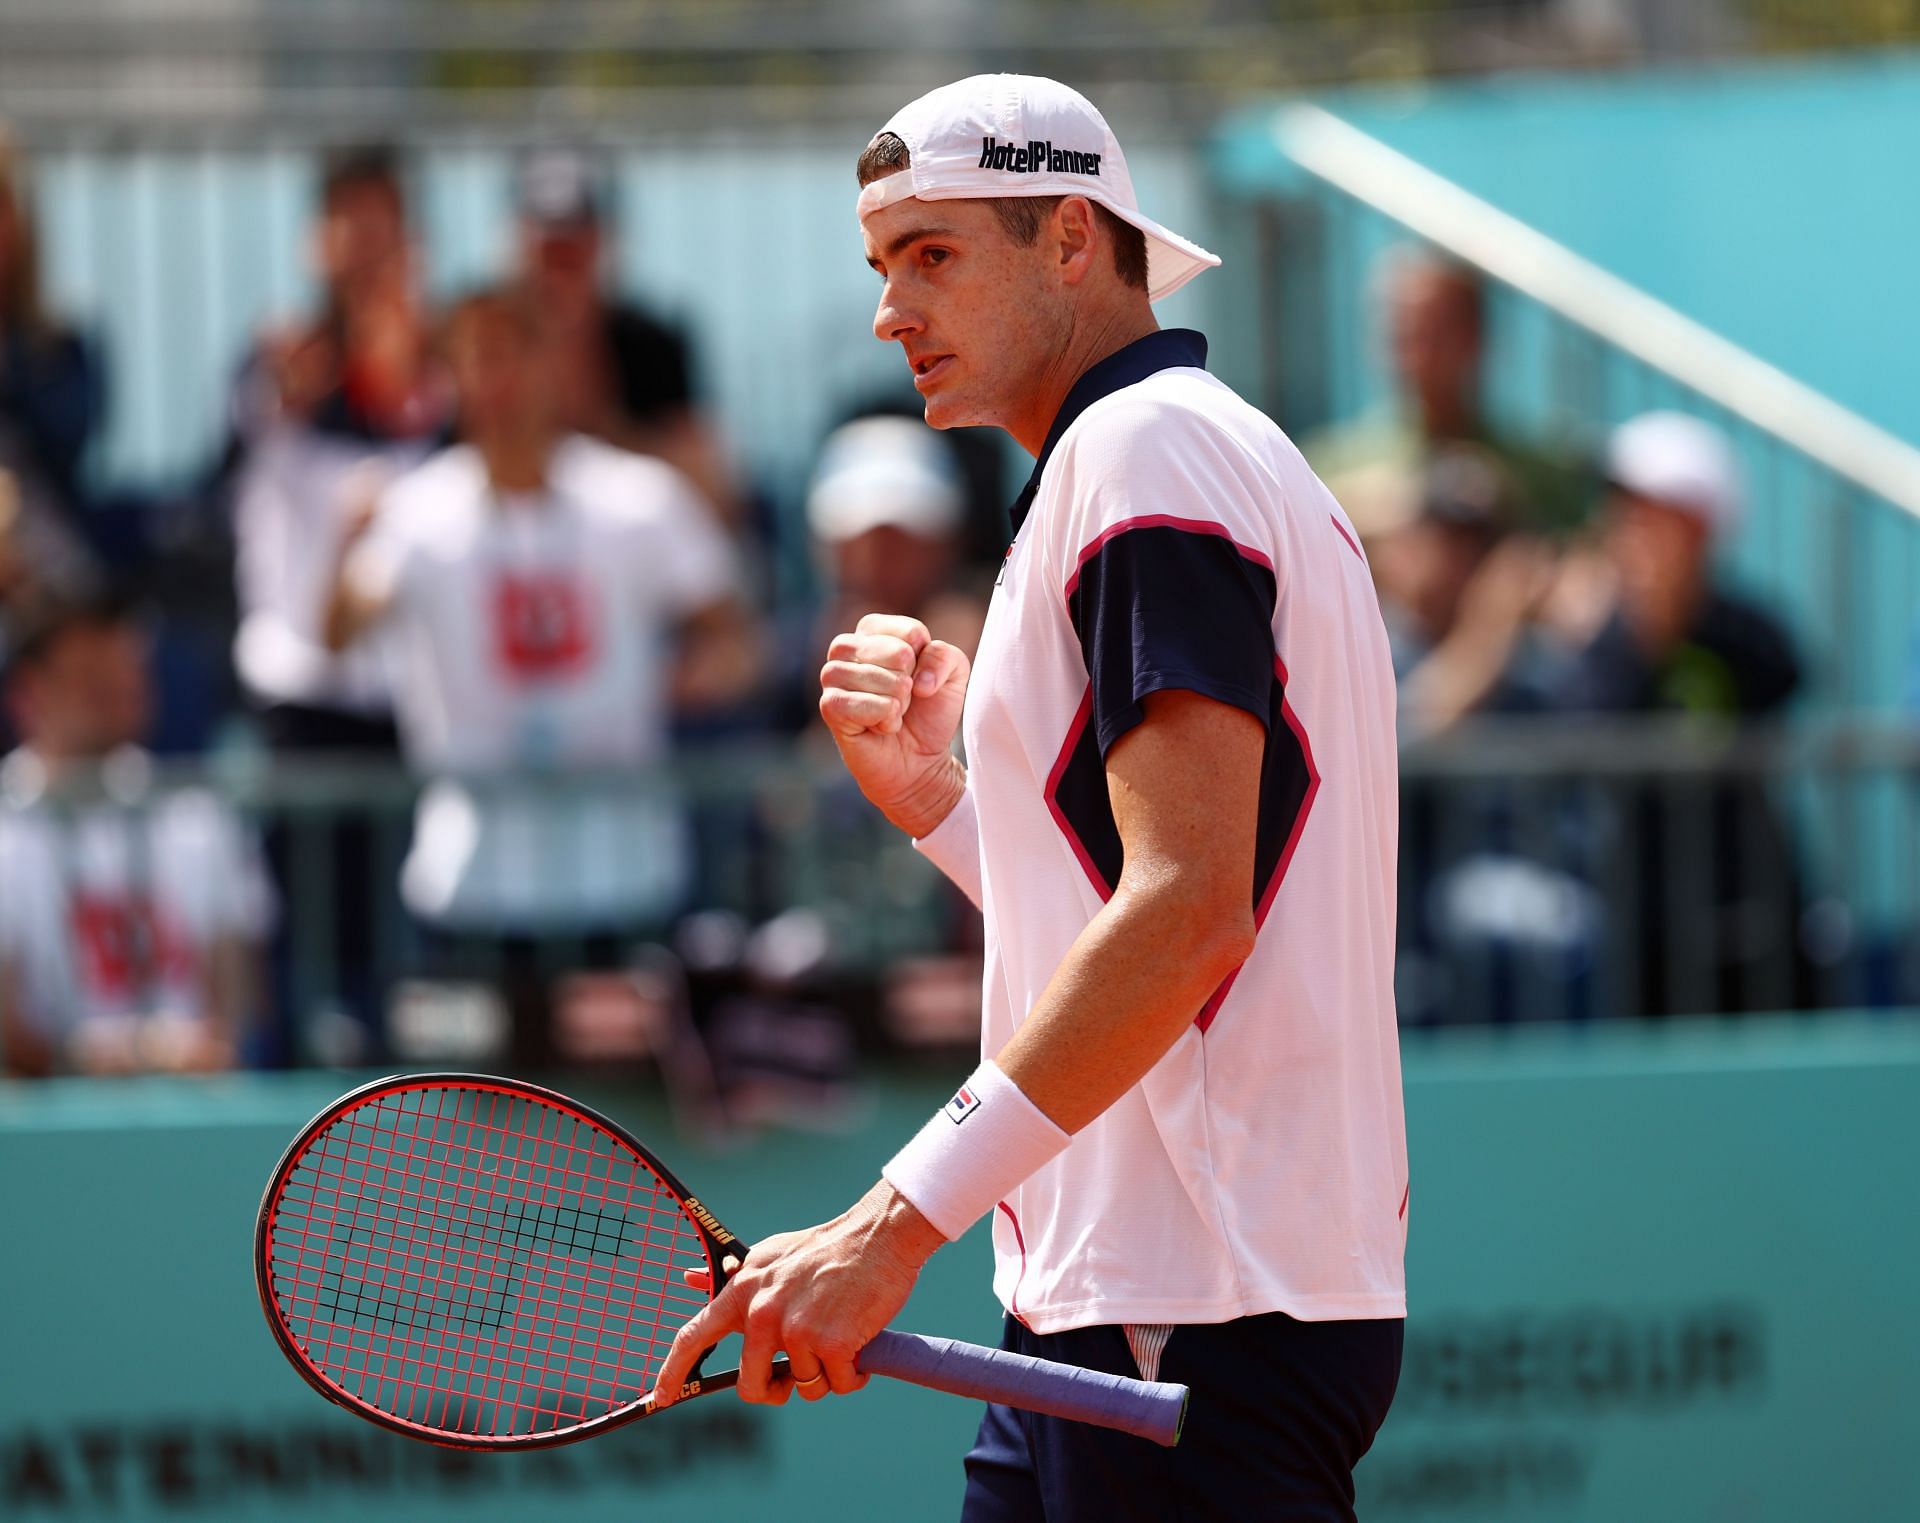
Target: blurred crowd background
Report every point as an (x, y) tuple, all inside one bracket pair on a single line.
[(437, 442)]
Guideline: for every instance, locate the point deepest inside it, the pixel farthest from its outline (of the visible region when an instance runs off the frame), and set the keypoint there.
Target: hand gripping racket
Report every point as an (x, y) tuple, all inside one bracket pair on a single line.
[(487, 1264)]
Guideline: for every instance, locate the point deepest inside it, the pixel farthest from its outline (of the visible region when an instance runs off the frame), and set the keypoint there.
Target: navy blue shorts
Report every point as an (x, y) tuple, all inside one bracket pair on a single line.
[(1281, 1412)]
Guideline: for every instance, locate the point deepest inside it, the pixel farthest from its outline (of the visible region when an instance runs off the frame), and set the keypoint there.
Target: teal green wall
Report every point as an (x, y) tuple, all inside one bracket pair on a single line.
[(1773, 203), (1655, 1277)]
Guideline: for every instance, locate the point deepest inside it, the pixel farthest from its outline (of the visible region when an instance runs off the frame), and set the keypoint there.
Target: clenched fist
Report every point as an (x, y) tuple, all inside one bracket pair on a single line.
[(891, 696)]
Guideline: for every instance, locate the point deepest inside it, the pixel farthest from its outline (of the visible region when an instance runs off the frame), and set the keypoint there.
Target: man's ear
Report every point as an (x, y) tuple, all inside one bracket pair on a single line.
[(1076, 237)]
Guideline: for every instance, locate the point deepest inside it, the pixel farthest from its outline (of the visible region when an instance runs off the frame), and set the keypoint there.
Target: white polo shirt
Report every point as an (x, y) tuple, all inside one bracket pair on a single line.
[(113, 913), (535, 637), (1172, 537)]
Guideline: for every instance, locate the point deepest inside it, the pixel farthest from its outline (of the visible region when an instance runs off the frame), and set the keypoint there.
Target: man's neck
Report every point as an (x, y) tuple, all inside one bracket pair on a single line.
[(517, 463), (1088, 347)]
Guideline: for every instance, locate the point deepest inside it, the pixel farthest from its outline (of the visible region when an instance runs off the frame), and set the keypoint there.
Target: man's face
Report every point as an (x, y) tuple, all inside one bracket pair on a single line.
[(891, 567), (1436, 336), (499, 373), (561, 260), (362, 235), (981, 320), (89, 694), (1662, 554)]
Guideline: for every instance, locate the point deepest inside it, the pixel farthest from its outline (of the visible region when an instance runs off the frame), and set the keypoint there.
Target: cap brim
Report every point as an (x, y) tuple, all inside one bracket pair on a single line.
[(1171, 260)]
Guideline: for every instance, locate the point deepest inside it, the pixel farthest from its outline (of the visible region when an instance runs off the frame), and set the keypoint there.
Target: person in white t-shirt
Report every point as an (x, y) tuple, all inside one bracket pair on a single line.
[(130, 921), (1178, 815), (549, 602)]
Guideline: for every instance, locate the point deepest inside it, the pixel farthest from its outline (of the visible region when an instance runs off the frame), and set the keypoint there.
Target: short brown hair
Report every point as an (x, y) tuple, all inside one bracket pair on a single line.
[(1020, 216)]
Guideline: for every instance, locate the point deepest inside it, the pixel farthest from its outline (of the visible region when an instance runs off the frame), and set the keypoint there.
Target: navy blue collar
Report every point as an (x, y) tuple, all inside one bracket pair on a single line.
[(1164, 349)]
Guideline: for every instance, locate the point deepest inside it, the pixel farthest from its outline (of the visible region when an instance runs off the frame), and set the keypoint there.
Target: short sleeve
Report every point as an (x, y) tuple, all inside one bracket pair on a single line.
[(1170, 582)]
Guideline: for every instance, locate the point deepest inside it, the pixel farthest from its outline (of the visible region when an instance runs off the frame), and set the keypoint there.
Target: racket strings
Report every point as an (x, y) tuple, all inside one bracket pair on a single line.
[(478, 1262)]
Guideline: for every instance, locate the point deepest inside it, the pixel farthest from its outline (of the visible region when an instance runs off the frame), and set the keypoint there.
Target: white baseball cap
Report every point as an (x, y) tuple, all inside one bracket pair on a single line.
[(1678, 460), (996, 135), (884, 472)]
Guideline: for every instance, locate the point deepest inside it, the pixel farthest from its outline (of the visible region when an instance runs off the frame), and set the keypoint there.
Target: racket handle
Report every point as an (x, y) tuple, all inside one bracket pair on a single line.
[(1147, 1409)]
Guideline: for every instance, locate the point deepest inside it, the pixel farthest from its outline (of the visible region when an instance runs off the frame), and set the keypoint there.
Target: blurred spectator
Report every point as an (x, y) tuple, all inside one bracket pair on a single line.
[(1436, 321), (1651, 626), (130, 921), (1719, 920), (51, 393), (1457, 586), (550, 600), (620, 374), (50, 405), (886, 513), (323, 410)]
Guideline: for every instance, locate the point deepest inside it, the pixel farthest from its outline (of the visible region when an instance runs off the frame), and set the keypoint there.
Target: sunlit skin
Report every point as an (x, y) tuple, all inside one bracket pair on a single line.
[(1436, 341), (1661, 553), (362, 231), (87, 696), (996, 333)]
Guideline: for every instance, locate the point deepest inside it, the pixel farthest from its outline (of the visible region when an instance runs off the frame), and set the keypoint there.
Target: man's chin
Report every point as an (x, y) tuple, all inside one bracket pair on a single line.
[(948, 412)]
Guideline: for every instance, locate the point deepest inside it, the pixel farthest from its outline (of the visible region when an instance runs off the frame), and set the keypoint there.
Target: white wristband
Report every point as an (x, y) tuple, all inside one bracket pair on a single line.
[(953, 846), (978, 1146)]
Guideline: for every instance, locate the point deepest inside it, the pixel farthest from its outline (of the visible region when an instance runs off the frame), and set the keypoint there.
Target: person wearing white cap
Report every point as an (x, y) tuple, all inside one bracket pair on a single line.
[(1650, 627), (886, 511), (1178, 817)]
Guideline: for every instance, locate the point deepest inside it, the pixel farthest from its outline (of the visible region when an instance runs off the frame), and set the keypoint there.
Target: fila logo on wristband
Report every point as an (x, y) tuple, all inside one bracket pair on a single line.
[(962, 1105)]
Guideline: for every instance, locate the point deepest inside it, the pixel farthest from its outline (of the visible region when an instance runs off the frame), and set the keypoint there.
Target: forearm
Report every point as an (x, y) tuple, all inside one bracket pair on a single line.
[(1132, 982), (348, 616), (1456, 678)]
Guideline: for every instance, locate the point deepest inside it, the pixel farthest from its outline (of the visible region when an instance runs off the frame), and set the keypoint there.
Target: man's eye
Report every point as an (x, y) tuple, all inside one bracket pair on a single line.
[(937, 256)]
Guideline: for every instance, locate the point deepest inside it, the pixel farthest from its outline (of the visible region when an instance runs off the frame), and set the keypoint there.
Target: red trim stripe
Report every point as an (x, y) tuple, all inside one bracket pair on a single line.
[(1352, 543), (1020, 1279), (1074, 731), (1161, 521)]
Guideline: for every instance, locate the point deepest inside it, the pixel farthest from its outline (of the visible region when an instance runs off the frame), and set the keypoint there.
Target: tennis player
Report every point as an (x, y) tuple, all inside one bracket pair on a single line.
[(1178, 817)]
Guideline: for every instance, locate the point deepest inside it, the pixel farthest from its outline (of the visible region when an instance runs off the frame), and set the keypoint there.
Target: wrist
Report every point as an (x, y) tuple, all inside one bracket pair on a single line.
[(931, 800), (896, 1228), (977, 1149)]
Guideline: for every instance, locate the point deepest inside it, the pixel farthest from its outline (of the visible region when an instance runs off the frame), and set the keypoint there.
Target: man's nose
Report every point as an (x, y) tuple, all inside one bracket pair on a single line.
[(892, 320)]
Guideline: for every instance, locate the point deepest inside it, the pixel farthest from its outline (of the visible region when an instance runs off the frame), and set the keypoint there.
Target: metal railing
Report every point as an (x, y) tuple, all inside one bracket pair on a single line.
[(1556, 870), (1549, 871), (1832, 532)]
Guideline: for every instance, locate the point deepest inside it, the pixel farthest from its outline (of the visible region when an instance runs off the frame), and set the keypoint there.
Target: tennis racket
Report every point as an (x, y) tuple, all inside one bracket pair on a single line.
[(487, 1264)]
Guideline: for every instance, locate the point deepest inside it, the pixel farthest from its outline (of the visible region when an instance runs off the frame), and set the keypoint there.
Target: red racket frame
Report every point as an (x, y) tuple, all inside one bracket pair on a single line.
[(716, 1240)]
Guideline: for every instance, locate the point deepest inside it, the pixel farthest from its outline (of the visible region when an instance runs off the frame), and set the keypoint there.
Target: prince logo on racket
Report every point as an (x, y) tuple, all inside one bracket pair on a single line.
[(1178, 817)]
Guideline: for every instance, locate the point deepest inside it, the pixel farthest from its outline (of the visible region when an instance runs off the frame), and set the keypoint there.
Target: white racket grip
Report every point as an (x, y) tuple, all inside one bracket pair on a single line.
[(1152, 1410)]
